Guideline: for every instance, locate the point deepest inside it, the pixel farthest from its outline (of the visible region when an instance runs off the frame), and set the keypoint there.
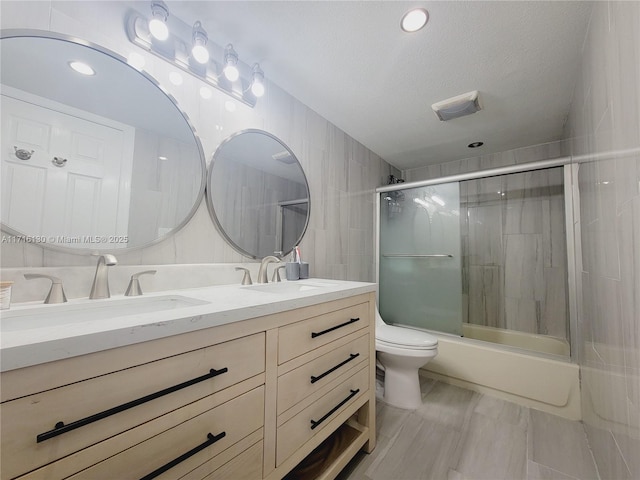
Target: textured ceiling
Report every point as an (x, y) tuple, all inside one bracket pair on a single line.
[(351, 63)]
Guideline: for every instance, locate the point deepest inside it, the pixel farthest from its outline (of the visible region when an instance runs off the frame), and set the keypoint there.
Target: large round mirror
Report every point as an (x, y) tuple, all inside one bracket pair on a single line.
[(258, 194), (95, 156)]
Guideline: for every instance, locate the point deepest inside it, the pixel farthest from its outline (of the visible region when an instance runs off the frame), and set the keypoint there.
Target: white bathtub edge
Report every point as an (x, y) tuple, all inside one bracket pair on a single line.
[(544, 384)]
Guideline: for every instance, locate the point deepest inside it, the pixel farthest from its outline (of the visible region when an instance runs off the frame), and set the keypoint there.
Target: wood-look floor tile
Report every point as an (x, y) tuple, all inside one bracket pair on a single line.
[(536, 471), (462, 435), (561, 445), (420, 451), (503, 411), (492, 449), (447, 405)]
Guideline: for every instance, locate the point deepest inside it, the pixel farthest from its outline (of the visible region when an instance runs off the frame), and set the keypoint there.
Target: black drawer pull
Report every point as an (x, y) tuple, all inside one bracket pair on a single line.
[(314, 334), (315, 423), (333, 369), (61, 428), (211, 439)]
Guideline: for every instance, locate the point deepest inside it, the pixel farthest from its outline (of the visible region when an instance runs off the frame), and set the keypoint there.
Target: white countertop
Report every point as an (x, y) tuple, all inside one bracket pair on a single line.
[(224, 304)]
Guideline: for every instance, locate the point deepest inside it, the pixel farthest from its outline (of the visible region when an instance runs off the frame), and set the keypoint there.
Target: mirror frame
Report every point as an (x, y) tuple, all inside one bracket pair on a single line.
[(211, 207), (16, 33)]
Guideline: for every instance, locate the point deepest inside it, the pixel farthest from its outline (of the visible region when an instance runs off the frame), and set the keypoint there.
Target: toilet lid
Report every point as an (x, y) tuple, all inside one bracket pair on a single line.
[(406, 337)]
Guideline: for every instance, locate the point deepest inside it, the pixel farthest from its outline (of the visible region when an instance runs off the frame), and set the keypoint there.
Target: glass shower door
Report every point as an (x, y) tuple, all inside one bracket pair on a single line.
[(420, 261)]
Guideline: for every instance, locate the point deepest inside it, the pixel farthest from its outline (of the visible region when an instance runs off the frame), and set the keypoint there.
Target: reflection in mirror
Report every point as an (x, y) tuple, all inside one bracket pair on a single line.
[(257, 194), (97, 161)]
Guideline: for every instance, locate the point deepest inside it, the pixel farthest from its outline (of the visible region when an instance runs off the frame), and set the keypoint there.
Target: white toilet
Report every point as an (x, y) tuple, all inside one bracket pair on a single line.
[(402, 351)]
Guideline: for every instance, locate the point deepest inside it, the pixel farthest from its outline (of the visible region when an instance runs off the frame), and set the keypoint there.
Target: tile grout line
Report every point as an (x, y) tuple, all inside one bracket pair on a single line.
[(593, 458)]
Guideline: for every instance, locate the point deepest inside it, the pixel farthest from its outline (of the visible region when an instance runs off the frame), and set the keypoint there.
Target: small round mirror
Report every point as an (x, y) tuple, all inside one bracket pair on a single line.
[(257, 194)]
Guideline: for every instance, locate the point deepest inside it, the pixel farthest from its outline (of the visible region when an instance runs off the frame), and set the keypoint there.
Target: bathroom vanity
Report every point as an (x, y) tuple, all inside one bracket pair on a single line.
[(225, 382)]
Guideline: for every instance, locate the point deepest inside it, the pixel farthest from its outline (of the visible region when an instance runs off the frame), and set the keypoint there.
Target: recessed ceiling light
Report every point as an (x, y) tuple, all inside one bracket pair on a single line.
[(206, 93), (229, 106), (475, 144), (82, 68), (414, 20)]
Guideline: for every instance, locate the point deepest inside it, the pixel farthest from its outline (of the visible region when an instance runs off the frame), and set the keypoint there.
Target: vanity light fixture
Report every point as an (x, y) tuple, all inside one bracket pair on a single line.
[(158, 22), (230, 70), (197, 55), (257, 82), (82, 68), (200, 39), (414, 20)]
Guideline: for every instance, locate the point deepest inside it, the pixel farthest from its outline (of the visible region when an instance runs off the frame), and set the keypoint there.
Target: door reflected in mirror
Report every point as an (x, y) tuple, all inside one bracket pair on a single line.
[(257, 194), (97, 159)]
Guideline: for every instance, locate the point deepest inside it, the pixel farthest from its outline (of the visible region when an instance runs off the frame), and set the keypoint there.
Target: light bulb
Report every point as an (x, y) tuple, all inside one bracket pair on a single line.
[(200, 39), (231, 72), (158, 23), (257, 82), (200, 53), (257, 88), (231, 62), (158, 29)]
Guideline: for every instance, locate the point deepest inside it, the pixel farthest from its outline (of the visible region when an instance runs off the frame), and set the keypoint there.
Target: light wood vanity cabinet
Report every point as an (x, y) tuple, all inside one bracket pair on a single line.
[(246, 400)]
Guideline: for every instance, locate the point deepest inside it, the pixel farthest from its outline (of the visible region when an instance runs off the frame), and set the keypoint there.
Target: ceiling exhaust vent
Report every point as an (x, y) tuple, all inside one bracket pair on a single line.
[(459, 106)]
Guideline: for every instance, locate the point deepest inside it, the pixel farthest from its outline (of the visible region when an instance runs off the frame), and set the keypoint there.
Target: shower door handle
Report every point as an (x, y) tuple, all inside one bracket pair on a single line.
[(409, 255)]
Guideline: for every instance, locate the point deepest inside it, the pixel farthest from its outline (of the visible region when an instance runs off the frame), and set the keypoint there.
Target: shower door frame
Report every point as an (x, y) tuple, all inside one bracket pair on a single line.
[(571, 199)]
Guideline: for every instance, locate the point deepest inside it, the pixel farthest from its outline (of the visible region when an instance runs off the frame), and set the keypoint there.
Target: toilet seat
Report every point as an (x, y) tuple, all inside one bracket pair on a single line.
[(405, 338)]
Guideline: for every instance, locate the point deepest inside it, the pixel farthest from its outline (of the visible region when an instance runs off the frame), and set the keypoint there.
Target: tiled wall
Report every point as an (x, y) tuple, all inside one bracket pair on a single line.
[(513, 242), (342, 173), (605, 117)]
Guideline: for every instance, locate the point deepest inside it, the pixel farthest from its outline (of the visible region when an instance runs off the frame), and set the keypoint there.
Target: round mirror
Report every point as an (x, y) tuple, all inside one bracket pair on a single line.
[(258, 194), (95, 156)]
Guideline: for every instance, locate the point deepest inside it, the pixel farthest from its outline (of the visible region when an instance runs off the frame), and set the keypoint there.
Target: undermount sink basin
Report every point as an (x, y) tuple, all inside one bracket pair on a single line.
[(65, 314), (285, 287)]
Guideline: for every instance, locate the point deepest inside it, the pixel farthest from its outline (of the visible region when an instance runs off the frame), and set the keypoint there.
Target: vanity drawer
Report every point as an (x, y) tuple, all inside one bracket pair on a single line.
[(295, 432), (214, 431), (301, 337), (303, 381), (24, 420), (244, 466)]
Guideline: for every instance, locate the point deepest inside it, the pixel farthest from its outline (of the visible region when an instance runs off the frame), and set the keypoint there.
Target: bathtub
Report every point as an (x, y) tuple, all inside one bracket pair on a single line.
[(528, 341), (542, 381)]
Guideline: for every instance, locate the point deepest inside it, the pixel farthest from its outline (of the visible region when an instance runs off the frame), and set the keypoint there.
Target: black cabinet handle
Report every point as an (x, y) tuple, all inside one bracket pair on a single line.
[(332, 369), (211, 439), (314, 334), (315, 423), (61, 428)]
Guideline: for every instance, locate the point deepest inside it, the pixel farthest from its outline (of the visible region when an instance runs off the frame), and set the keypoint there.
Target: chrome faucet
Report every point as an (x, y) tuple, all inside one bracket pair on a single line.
[(262, 273), (100, 287), (56, 292)]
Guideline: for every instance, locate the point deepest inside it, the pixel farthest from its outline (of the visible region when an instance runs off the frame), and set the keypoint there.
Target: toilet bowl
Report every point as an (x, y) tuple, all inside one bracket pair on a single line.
[(402, 351)]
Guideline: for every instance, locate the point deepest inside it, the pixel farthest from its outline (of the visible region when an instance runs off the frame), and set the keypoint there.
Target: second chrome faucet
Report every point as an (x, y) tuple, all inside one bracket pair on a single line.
[(100, 287), (262, 273)]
